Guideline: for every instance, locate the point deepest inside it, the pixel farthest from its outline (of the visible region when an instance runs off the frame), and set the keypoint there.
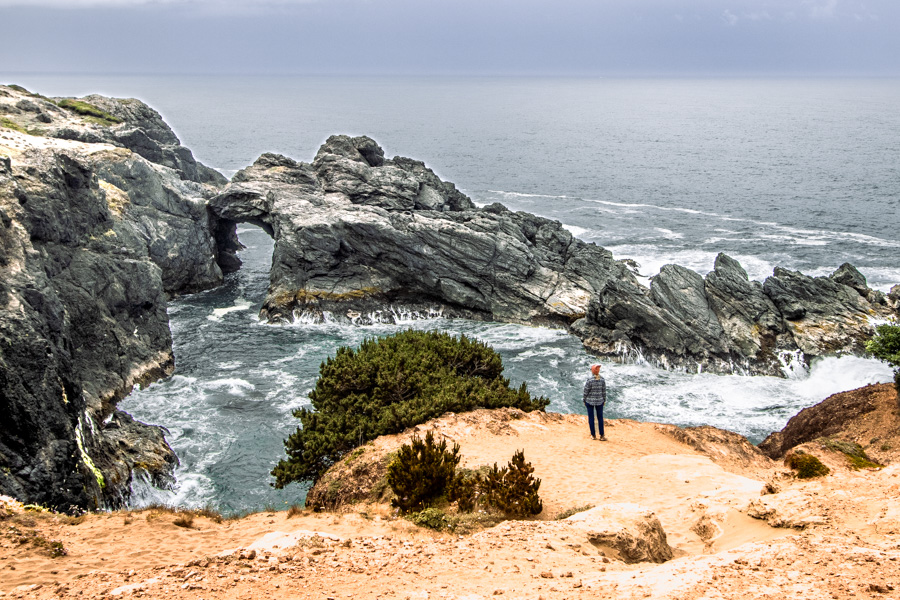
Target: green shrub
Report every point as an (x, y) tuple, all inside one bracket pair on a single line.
[(421, 472), (387, 385), (807, 466), (513, 489), (855, 454), (464, 491), (432, 518), (93, 113), (885, 345)]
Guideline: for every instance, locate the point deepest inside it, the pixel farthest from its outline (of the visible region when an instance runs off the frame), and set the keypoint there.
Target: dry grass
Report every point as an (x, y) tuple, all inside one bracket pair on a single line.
[(294, 511), (185, 519)]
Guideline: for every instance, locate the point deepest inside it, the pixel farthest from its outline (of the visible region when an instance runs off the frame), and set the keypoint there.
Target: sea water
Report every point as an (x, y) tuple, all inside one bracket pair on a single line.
[(798, 173)]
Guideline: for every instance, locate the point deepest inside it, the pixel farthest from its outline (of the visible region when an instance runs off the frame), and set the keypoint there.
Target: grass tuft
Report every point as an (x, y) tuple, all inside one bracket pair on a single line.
[(807, 466), (10, 124), (855, 454), (185, 519), (92, 114)]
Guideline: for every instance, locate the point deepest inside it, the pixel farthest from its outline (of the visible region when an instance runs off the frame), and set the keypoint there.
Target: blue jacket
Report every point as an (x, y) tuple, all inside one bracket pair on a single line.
[(595, 391)]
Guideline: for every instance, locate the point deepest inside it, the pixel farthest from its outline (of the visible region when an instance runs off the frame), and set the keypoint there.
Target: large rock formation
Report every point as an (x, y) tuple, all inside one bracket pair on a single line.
[(868, 416), (357, 235), (103, 214), (92, 239)]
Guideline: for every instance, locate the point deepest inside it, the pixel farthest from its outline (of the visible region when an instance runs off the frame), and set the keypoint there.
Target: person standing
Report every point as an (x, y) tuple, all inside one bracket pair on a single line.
[(594, 399)]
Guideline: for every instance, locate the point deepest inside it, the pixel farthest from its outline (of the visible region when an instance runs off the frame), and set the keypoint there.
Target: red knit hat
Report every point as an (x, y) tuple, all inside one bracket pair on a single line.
[(595, 368)]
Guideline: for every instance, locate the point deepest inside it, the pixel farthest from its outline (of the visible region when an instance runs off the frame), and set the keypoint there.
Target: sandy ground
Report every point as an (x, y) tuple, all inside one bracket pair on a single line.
[(848, 547)]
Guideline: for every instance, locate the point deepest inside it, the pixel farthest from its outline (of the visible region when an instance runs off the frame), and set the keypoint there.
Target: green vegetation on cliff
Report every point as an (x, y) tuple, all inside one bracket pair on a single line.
[(89, 111), (387, 385), (886, 346)]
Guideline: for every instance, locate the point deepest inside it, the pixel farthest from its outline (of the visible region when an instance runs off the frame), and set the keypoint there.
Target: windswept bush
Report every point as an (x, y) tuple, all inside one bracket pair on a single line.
[(421, 472), (885, 345), (387, 385), (513, 490)]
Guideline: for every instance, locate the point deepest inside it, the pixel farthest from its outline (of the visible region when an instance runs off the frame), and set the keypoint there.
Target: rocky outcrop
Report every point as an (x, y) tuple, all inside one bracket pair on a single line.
[(868, 416), (92, 239), (132, 125), (727, 323), (356, 233), (625, 532), (360, 237)]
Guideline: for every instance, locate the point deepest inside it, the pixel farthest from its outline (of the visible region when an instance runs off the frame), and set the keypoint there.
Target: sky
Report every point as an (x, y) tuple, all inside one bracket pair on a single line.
[(453, 37)]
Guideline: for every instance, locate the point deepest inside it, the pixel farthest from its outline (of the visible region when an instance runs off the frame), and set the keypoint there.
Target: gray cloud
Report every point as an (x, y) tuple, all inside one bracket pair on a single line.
[(598, 37)]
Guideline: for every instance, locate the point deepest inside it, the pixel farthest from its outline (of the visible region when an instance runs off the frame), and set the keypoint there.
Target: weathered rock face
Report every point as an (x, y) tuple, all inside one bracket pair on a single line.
[(837, 414), (92, 238), (626, 532), (355, 233), (141, 129), (728, 323)]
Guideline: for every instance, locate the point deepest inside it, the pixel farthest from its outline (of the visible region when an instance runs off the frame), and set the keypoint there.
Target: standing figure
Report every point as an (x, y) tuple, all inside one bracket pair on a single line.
[(594, 399)]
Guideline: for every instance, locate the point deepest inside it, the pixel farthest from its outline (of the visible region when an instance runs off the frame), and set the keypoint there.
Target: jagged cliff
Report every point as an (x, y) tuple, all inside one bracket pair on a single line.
[(356, 233), (92, 239)]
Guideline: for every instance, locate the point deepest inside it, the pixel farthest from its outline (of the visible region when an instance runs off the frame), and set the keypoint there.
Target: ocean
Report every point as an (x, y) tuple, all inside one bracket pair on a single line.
[(797, 173)]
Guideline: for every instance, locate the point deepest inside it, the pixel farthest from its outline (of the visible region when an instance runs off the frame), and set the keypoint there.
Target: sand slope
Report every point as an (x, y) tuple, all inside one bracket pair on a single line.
[(703, 499)]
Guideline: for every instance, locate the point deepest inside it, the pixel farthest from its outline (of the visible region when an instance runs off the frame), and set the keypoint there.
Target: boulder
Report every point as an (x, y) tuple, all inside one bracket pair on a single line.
[(625, 532), (747, 316)]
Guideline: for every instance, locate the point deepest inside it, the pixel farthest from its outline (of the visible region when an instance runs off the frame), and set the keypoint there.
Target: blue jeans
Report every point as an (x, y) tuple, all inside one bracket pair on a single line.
[(590, 412)]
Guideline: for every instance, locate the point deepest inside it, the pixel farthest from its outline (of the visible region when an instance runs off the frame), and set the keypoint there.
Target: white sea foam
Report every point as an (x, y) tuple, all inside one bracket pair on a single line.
[(752, 406), (233, 385), (575, 230), (524, 195), (218, 313)]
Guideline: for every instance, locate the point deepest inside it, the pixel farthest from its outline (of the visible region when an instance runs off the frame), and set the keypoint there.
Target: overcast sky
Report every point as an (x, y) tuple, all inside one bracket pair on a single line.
[(542, 37)]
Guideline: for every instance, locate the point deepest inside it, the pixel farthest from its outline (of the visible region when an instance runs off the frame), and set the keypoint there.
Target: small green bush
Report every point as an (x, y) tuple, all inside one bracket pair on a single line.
[(885, 346), (387, 385), (513, 489), (93, 113), (855, 454), (464, 491), (432, 518), (807, 466), (421, 472)]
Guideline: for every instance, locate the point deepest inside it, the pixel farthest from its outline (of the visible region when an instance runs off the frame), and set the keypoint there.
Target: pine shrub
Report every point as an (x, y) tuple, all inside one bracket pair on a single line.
[(387, 385), (464, 491), (886, 346), (513, 489), (421, 472)]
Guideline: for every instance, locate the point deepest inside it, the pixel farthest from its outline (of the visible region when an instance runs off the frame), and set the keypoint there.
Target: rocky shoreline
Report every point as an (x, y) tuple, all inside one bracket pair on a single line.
[(104, 215)]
